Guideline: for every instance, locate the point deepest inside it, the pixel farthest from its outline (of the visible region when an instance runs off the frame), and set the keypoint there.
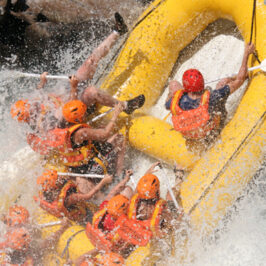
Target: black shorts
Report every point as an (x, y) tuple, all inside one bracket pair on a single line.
[(106, 155)]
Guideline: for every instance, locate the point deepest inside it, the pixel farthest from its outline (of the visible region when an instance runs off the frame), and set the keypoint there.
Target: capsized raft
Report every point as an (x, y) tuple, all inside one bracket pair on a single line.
[(144, 65)]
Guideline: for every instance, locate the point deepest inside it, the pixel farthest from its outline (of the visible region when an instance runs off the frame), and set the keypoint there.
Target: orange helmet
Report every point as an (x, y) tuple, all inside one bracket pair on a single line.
[(18, 238), (21, 110), (111, 259), (17, 215), (48, 180), (148, 187), (118, 205), (74, 111)]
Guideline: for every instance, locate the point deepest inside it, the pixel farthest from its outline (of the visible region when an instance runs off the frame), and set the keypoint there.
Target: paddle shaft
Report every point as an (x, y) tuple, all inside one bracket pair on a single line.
[(169, 187), (31, 75), (50, 224), (81, 175)]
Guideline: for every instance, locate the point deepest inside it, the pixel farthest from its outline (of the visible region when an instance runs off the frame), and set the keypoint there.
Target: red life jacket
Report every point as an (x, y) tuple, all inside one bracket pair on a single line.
[(152, 224), (4, 261), (125, 231), (57, 207), (195, 123)]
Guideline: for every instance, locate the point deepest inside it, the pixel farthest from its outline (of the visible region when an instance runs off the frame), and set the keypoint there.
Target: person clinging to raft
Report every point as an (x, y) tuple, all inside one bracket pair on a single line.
[(21, 248), (44, 114), (60, 197), (200, 114)]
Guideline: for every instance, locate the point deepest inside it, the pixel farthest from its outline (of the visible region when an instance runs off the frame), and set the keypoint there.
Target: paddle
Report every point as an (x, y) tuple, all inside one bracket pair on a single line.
[(32, 75), (50, 224), (261, 66), (101, 115), (80, 175), (169, 186)]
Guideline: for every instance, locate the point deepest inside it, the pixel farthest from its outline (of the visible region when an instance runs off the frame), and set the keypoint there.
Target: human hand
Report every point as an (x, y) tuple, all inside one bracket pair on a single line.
[(43, 77), (73, 81), (107, 179), (129, 173), (152, 170), (65, 222), (250, 48), (119, 107)]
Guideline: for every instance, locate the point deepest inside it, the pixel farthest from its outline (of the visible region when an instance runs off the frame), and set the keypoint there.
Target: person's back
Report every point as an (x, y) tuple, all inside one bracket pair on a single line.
[(199, 114)]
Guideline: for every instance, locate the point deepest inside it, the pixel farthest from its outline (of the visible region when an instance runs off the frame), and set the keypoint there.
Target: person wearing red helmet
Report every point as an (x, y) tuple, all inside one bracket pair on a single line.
[(200, 114), (21, 248)]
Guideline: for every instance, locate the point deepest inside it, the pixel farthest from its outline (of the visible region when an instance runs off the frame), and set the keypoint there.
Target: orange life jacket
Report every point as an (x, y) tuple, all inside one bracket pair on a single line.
[(195, 123), (96, 220), (57, 207), (59, 140), (4, 261), (125, 230), (152, 224)]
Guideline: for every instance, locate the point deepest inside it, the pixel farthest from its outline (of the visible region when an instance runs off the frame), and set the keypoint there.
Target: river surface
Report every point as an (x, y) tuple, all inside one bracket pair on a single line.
[(241, 236)]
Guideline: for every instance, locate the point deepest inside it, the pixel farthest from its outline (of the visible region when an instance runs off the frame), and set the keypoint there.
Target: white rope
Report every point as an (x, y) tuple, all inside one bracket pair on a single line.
[(81, 175)]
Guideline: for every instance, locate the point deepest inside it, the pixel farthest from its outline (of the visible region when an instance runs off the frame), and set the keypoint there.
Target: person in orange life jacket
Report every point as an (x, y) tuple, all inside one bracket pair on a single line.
[(40, 114), (198, 113), (93, 96), (60, 196), (114, 205), (146, 206), (33, 113), (110, 149), (20, 248), (16, 216)]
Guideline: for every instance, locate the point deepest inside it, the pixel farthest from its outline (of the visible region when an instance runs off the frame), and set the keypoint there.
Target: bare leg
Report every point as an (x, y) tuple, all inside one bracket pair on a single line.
[(88, 68), (92, 95)]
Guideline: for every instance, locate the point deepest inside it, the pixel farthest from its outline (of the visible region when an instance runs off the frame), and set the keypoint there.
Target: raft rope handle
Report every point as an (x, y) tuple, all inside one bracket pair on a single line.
[(68, 243), (254, 24)]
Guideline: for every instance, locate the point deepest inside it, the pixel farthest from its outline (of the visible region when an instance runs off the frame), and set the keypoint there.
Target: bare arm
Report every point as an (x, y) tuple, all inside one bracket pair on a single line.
[(235, 83), (100, 134), (88, 255), (51, 240), (77, 197), (151, 169), (74, 88), (120, 186)]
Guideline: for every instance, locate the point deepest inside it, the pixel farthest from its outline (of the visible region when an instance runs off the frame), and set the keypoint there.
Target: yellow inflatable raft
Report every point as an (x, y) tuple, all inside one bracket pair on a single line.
[(144, 66)]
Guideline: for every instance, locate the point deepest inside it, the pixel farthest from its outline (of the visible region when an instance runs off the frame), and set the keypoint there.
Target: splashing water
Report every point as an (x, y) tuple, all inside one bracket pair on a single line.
[(240, 239)]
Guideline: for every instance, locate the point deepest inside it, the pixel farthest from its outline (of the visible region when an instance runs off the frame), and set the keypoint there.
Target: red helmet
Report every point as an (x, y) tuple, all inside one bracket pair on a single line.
[(193, 81)]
